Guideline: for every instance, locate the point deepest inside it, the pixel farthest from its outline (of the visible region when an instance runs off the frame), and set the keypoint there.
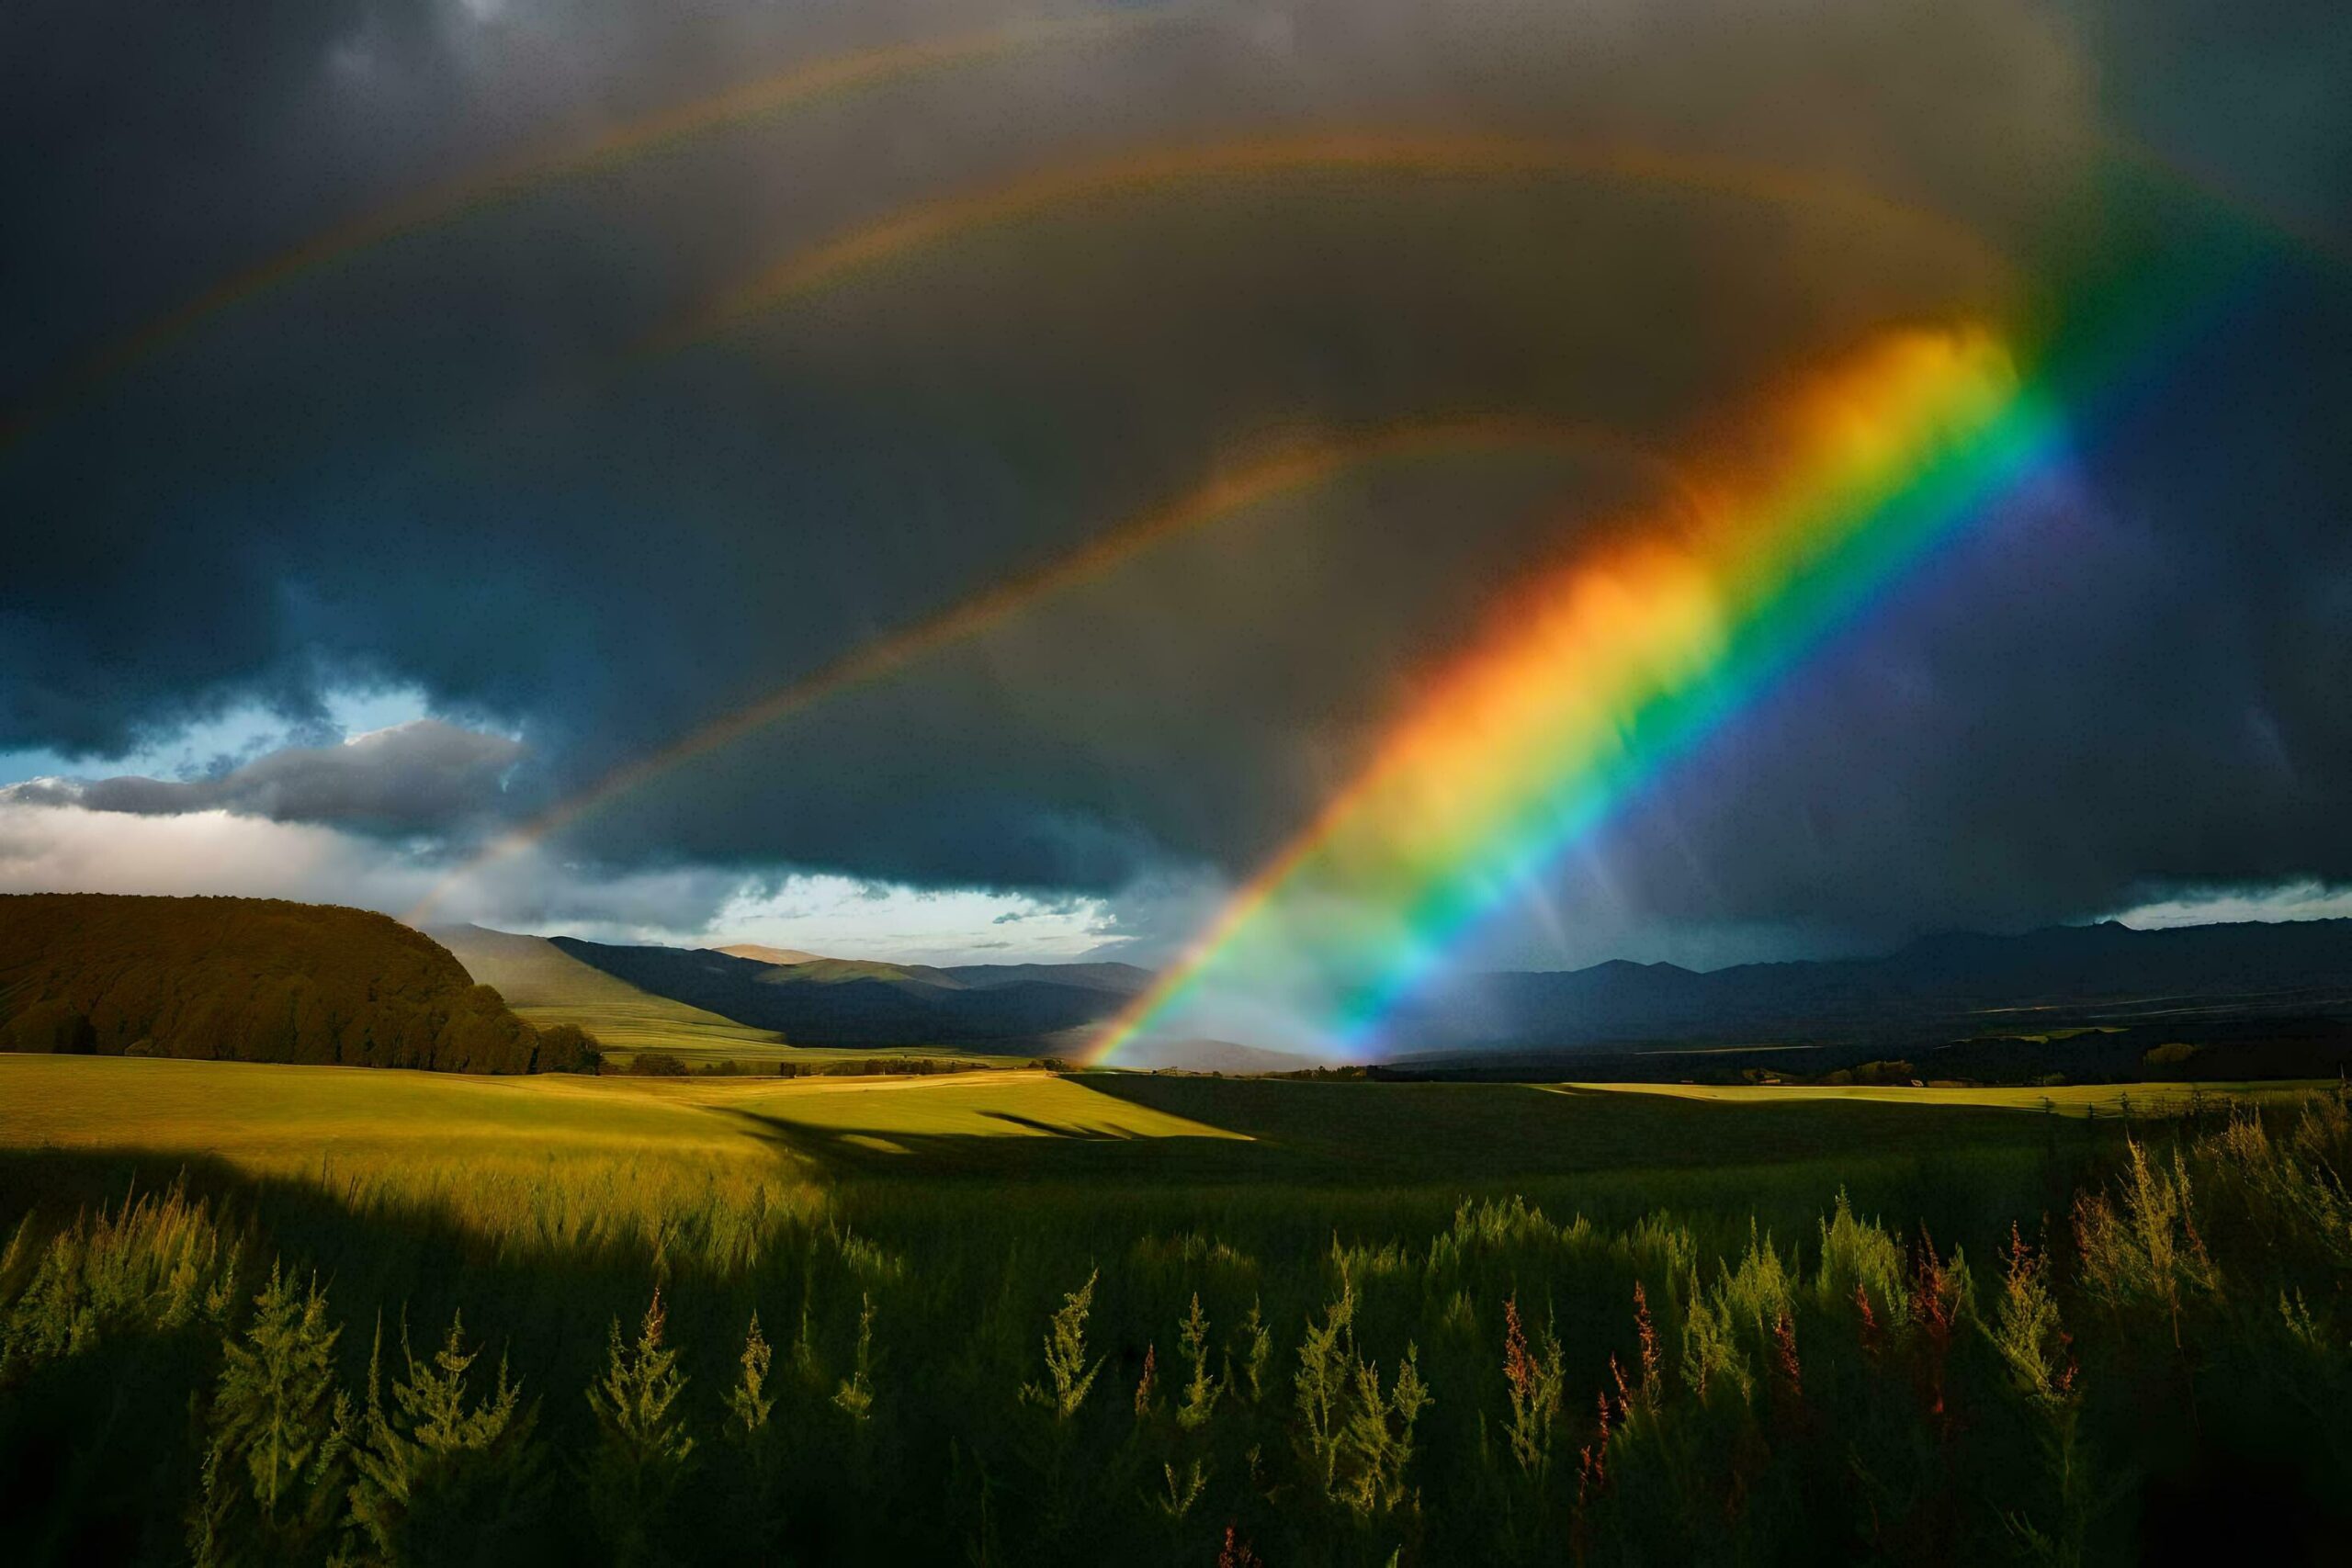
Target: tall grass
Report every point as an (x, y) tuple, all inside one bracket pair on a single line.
[(1190, 1377)]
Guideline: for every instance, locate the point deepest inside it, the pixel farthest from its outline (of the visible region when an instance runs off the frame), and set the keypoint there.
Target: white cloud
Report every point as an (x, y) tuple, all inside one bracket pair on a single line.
[(65, 848), (2307, 900), (847, 917), (53, 843)]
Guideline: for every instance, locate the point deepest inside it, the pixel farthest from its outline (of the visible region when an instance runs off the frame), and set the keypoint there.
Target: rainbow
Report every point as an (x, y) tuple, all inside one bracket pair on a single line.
[(926, 226), (1605, 667), (490, 185), (1294, 463)]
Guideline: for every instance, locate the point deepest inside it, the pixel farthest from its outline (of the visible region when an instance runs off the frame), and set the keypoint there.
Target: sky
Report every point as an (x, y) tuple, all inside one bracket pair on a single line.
[(601, 466)]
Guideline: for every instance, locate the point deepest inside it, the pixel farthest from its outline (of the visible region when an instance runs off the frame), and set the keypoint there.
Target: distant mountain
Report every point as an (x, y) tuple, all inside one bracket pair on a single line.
[(1983, 985), (858, 1002), (758, 954), (252, 980)]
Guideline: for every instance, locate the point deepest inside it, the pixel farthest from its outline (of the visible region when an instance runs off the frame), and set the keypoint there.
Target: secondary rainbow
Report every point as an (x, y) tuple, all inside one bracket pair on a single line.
[(1396, 154), (1295, 464), (487, 186), (1605, 666)]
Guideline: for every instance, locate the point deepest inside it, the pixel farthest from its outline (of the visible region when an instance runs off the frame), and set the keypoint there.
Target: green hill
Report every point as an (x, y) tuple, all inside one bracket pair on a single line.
[(547, 986), (252, 980)]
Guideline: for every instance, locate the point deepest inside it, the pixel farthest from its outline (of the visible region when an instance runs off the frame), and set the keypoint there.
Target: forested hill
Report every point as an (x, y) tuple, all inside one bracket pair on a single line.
[(253, 980)]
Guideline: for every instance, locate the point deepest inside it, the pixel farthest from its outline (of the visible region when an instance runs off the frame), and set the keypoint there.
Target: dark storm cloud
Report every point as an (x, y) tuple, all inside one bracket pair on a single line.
[(436, 463), (423, 774)]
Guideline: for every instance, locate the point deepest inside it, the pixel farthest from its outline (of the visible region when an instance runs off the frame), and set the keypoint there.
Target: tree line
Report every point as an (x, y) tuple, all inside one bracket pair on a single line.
[(253, 980)]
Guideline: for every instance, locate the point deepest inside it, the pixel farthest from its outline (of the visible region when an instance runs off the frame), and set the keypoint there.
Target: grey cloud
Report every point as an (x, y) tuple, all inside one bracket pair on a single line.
[(438, 463), (423, 774)]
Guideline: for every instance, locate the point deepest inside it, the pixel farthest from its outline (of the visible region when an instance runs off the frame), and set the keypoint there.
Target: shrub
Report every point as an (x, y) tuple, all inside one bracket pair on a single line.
[(643, 1446), (434, 1478), (1534, 1380), (271, 1465), (156, 1262)]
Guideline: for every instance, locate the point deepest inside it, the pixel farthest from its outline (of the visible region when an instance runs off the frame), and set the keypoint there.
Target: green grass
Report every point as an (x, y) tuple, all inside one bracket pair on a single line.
[(551, 1159), (548, 1159), (2065, 1099)]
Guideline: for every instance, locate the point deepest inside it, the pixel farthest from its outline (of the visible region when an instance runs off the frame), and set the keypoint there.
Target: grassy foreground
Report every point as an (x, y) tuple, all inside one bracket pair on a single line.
[(1014, 1317)]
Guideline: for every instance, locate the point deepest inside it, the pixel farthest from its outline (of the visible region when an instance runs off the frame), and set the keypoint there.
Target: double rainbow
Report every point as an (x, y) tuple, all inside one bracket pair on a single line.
[(1609, 665)]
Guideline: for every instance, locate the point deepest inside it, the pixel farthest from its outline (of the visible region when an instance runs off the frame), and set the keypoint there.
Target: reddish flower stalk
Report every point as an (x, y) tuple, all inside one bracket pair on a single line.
[(1784, 1344), (1237, 1554), (1519, 1367), (1149, 1388), (1651, 1355)]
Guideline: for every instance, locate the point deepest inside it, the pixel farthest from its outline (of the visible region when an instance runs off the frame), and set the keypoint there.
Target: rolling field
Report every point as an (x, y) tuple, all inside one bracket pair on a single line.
[(1128, 1128)]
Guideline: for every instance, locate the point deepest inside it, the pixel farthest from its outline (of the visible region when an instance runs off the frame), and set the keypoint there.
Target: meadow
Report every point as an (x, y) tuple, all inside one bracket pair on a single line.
[(253, 1313)]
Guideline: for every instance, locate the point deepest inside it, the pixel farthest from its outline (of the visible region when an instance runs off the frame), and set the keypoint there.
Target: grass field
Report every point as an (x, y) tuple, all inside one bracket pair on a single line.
[(907, 1243), (2063, 1100)]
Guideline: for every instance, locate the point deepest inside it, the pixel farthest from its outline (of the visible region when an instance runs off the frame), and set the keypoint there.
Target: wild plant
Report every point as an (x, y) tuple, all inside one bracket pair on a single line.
[(156, 1261), (1860, 1263), (1787, 1372), (272, 1462), (1237, 1554), (749, 1403), (2038, 1353), (1940, 1293), (751, 1446), (1649, 1350), (1534, 1380), (1183, 1489), (2295, 1192), (1326, 1357), (432, 1471), (1378, 1439), (854, 1397), (1067, 1376), (1147, 1386), (2143, 1245), (642, 1443), (2027, 1331), (1659, 1247), (1257, 1352), (1201, 1389), (1712, 1359)]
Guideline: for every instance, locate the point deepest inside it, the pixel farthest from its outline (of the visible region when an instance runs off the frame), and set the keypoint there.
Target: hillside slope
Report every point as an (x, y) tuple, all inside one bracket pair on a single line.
[(759, 954), (252, 980), (856, 1002), (547, 986)]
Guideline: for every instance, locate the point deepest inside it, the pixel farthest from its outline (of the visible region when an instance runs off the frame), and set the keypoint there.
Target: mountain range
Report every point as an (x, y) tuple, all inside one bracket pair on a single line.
[(1934, 989), (1928, 993)]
